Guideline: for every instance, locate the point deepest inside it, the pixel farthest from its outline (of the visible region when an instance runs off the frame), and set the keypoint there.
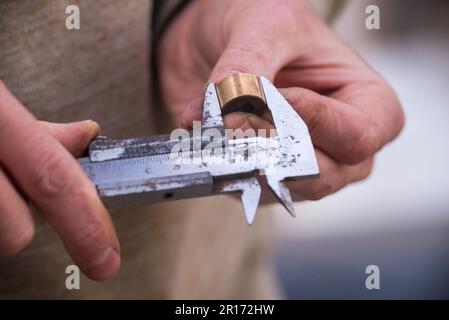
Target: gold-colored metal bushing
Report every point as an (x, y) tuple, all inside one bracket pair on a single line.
[(241, 92)]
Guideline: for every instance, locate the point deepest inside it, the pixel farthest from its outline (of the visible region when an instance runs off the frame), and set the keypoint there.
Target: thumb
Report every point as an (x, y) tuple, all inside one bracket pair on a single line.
[(256, 51), (242, 55), (75, 136), (253, 47)]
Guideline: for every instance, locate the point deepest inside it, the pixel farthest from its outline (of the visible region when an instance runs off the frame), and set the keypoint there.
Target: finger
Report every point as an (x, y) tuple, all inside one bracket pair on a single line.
[(246, 121), (342, 75), (378, 100), (343, 131), (192, 112), (333, 177), (16, 223), (58, 188), (234, 120), (262, 50), (75, 136), (258, 46)]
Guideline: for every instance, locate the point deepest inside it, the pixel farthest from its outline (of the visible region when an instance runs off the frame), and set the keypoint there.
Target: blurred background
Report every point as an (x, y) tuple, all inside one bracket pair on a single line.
[(398, 219)]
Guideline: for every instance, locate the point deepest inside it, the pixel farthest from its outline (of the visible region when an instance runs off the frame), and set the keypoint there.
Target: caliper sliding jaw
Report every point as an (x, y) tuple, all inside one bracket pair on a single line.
[(146, 170)]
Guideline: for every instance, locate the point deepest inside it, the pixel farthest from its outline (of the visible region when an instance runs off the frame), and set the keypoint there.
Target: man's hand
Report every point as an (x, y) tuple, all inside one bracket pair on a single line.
[(36, 164), (351, 112)]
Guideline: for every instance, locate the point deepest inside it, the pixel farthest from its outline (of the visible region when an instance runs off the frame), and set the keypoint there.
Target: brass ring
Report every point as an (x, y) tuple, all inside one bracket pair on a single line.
[(241, 92)]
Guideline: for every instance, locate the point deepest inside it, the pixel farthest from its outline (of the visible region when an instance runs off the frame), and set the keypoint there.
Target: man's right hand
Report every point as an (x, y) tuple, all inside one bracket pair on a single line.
[(37, 164)]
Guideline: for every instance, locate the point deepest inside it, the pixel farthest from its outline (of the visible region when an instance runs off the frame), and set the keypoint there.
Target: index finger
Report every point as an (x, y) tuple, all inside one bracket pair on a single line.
[(58, 188)]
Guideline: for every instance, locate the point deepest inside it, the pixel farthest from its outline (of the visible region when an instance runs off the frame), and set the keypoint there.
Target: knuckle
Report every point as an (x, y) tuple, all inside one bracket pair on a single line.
[(395, 109), (400, 120), (314, 110), (298, 96), (321, 189), (398, 115), (50, 178), (364, 144), (318, 115), (366, 170)]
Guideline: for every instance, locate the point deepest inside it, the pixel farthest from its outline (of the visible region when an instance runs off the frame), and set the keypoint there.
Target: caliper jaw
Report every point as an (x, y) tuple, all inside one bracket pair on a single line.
[(296, 153), (249, 189), (295, 157)]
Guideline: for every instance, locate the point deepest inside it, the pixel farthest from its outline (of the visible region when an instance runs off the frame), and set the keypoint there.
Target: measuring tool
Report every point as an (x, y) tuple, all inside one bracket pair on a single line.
[(208, 162)]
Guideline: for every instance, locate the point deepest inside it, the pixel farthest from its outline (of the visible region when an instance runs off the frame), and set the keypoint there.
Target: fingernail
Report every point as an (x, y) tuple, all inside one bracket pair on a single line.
[(95, 126), (105, 265)]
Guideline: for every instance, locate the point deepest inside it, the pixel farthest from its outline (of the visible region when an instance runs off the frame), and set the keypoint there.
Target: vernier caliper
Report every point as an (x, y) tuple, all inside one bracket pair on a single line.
[(206, 161)]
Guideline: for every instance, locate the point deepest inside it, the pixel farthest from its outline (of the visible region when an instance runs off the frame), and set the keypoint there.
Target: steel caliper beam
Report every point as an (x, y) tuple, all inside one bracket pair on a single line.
[(205, 161)]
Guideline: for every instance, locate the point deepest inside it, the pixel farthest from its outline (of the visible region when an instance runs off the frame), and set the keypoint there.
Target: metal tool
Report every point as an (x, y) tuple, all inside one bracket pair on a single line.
[(169, 167)]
